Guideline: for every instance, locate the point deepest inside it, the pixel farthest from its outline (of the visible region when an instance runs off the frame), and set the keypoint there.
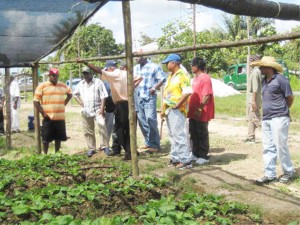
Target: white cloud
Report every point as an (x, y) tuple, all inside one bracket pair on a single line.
[(149, 16)]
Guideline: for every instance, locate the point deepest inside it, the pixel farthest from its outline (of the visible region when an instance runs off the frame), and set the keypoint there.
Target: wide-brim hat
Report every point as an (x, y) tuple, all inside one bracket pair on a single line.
[(268, 61)]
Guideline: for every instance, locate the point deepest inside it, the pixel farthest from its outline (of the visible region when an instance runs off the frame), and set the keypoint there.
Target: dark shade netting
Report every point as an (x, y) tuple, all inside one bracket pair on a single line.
[(31, 29)]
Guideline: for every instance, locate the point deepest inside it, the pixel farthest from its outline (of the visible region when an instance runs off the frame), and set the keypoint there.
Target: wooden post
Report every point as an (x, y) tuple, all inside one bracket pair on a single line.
[(130, 86), (8, 108), (37, 132)]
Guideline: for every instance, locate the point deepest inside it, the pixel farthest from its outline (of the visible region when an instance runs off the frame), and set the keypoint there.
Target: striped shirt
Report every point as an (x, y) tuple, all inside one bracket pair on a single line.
[(52, 98), (91, 94)]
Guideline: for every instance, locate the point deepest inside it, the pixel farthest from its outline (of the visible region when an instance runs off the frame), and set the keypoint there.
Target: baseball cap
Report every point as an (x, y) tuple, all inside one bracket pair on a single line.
[(172, 58), (53, 71), (110, 63), (86, 69)]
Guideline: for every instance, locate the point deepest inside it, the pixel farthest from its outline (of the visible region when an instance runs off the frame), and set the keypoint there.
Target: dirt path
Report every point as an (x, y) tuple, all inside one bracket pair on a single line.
[(231, 171)]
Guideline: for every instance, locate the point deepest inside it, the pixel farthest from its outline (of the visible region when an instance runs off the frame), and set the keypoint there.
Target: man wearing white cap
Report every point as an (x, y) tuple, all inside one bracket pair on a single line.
[(90, 93), (277, 98)]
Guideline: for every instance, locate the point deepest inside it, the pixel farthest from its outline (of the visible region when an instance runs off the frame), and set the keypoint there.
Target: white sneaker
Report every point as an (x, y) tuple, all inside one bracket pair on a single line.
[(193, 158), (201, 161)]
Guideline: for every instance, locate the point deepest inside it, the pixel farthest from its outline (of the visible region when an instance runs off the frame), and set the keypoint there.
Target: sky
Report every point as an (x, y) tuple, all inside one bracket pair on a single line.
[(149, 16)]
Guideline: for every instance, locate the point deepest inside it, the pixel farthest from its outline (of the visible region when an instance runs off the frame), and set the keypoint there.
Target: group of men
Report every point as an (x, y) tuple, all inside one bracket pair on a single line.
[(182, 99)]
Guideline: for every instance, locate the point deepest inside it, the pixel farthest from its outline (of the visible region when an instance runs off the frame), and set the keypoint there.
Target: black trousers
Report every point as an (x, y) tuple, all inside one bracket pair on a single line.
[(200, 138), (122, 125)]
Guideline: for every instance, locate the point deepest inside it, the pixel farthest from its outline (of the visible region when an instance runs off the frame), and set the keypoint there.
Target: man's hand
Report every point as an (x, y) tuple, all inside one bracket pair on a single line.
[(15, 105), (254, 106), (45, 116)]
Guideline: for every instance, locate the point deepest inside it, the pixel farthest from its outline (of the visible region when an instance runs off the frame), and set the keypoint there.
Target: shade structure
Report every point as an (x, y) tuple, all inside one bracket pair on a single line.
[(32, 29)]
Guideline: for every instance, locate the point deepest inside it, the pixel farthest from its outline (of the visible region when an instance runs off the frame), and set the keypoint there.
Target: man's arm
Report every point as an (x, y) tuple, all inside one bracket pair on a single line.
[(91, 66), (41, 110), (290, 100), (102, 106), (69, 96), (183, 99), (253, 102), (79, 100)]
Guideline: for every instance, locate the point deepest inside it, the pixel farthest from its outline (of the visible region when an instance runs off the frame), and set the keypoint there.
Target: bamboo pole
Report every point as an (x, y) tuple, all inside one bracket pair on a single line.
[(8, 107), (130, 86), (37, 132), (225, 44)]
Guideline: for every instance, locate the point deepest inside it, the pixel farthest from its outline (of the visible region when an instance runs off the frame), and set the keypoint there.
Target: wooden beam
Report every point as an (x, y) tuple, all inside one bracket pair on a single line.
[(130, 86), (37, 131)]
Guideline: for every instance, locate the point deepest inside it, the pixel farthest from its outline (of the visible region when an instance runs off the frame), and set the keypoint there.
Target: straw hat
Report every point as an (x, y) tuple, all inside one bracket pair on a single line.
[(268, 61)]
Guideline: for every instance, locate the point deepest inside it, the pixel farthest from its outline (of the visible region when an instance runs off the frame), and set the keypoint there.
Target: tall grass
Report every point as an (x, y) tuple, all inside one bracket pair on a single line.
[(235, 106)]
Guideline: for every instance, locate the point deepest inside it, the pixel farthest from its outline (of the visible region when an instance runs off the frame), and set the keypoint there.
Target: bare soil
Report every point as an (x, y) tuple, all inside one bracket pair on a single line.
[(233, 167)]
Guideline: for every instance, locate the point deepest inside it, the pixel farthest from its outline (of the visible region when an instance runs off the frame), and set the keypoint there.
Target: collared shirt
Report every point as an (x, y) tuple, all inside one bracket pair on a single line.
[(152, 74), (52, 98), (177, 85), (274, 94), (118, 84), (202, 86), (91, 94), (254, 85), (15, 93)]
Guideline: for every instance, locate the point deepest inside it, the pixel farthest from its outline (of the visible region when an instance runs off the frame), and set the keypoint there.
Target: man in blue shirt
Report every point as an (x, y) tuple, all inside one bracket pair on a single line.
[(277, 98), (152, 79)]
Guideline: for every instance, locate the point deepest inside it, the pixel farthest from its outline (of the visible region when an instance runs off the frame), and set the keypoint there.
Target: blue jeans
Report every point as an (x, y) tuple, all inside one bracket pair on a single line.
[(147, 117), (178, 136), (274, 138)]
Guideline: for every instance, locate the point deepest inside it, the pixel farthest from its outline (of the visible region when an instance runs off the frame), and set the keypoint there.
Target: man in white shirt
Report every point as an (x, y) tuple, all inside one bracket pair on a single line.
[(15, 105), (90, 93)]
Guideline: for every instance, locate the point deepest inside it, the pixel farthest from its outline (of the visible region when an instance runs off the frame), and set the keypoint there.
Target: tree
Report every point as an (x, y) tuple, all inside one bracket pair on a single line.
[(90, 41), (145, 39)]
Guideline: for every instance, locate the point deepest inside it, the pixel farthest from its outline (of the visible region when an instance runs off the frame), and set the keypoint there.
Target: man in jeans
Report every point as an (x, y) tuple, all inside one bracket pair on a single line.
[(277, 98), (152, 79)]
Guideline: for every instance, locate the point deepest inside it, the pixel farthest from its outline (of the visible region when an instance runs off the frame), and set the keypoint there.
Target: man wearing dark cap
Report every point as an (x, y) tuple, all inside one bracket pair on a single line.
[(253, 100), (49, 99), (118, 83), (201, 111), (176, 93), (90, 93), (277, 98)]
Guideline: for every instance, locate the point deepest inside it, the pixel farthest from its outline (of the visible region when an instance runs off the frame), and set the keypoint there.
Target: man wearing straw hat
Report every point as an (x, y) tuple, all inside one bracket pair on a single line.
[(277, 98)]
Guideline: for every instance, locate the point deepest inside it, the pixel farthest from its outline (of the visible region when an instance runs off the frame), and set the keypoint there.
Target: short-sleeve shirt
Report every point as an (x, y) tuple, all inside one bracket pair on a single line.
[(91, 95), (52, 98), (151, 74), (202, 86), (177, 85), (274, 94), (254, 85), (118, 84)]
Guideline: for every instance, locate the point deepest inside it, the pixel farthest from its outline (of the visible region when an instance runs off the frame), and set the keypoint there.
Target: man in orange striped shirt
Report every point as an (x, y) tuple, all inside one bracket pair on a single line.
[(50, 101)]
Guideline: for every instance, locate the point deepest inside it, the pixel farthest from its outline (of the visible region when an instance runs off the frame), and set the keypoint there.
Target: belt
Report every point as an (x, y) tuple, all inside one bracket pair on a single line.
[(121, 101)]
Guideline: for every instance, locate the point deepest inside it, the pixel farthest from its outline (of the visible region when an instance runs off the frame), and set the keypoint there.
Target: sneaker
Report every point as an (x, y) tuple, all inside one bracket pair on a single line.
[(90, 153), (250, 140), (152, 150), (201, 161), (265, 180), (182, 166), (172, 163), (193, 158), (285, 178)]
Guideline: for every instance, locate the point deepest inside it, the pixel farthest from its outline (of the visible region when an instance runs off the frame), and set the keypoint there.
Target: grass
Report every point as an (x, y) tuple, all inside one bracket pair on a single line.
[(235, 106)]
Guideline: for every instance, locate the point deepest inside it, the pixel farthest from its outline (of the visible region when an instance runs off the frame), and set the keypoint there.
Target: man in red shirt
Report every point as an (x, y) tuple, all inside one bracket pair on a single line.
[(201, 111)]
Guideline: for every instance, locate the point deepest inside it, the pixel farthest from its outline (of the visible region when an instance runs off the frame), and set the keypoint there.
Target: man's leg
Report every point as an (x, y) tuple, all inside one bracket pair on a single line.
[(89, 132), (45, 147), (153, 140), (57, 145)]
